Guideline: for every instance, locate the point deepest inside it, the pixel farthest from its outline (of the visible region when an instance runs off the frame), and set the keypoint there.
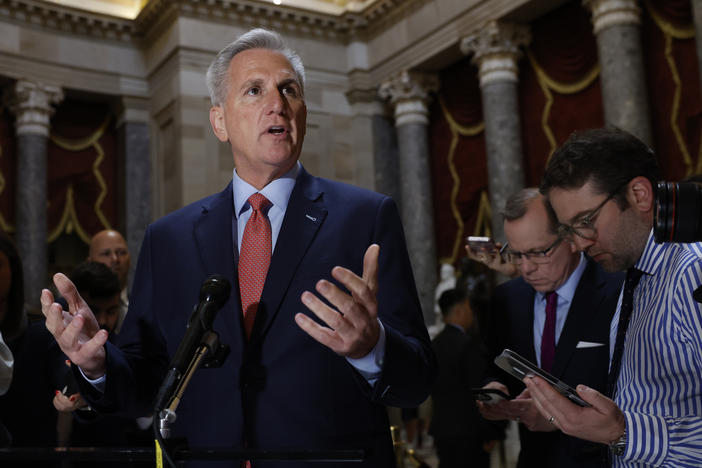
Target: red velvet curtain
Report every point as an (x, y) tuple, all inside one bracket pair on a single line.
[(674, 86), (86, 165), (564, 50), (459, 176)]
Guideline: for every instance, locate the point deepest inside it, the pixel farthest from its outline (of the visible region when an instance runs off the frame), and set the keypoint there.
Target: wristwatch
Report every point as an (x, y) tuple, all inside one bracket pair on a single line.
[(618, 446)]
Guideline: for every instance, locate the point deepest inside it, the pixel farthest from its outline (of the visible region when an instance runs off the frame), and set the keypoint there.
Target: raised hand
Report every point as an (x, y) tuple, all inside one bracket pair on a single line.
[(353, 321), (77, 332)]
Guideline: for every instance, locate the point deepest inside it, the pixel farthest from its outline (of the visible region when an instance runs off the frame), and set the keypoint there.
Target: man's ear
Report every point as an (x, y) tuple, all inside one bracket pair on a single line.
[(640, 194), (218, 123)]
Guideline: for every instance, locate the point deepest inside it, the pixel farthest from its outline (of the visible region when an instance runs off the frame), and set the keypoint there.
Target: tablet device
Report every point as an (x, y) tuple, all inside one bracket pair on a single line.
[(488, 395), (519, 367)]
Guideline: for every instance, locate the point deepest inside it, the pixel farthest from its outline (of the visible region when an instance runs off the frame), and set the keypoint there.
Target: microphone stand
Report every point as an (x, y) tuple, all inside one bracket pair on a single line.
[(210, 353)]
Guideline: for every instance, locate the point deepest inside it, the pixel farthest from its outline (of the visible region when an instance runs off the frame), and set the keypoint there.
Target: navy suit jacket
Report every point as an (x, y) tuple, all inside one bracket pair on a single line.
[(589, 317), (280, 389)]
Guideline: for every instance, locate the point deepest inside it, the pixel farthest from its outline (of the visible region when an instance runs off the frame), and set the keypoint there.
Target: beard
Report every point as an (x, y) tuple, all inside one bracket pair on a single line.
[(628, 245)]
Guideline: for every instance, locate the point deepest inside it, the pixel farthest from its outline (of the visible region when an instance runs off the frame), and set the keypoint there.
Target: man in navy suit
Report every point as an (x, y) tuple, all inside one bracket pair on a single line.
[(338, 332), (583, 298)]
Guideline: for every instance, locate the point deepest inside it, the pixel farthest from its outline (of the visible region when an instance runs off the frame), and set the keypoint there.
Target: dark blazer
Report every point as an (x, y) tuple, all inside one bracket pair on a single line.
[(462, 365), (280, 389), (589, 317)]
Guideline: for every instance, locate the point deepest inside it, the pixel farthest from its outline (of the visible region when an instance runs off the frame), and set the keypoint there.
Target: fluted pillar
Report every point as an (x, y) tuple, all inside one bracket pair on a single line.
[(617, 26), (32, 103), (408, 93), (134, 141), (495, 50)]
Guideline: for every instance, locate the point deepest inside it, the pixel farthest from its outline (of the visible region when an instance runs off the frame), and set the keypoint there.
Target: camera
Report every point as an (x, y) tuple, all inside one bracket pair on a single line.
[(677, 215)]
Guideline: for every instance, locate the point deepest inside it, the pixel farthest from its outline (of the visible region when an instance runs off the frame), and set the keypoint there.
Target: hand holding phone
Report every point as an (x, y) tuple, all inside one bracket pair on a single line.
[(489, 396), (477, 243), (520, 367)]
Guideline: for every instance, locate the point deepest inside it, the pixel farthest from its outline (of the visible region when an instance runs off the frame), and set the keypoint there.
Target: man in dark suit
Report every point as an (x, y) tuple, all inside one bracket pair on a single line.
[(462, 438), (557, 315), (304, 372)]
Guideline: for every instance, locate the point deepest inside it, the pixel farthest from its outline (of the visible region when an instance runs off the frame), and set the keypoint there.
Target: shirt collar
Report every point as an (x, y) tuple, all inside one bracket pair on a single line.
[(651, 257), (567, 289), (277, 191)]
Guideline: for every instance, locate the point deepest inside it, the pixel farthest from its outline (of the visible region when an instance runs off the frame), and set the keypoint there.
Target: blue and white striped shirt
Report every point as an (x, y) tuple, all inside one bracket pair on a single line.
[(660, 384)]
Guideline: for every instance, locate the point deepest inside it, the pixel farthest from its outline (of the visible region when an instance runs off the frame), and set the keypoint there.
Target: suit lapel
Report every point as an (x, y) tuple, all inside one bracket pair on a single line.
[(213, 235), (527, 324), (304, 216), (585, 301), (523, 318)]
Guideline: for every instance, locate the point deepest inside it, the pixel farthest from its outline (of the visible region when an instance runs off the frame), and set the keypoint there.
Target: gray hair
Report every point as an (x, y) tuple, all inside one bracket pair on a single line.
[(258, 38), (517, 204)]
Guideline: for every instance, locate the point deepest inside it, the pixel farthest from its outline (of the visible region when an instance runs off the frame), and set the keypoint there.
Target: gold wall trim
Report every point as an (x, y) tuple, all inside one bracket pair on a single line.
[(668, 28), (456, 131), (69, 219), (671, 32), (548, 84), (483, 225)]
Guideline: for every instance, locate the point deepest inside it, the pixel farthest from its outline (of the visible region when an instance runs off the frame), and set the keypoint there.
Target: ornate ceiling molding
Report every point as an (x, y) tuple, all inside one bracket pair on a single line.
[(350, 23), (50, 16)]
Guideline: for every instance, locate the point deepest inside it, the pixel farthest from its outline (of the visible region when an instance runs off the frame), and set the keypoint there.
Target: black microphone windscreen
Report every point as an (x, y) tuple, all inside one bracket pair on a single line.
[(217, 288)]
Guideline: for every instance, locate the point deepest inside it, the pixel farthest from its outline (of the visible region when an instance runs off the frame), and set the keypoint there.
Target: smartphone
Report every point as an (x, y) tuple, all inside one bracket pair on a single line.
[(519, 367), (477, 243), (489, 396)]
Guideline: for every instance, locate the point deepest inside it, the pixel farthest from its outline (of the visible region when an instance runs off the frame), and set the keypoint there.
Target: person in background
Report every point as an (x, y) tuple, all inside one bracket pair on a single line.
[(461, 436), (557, 315), (100, 287), (39, 365), (109, 248), (601, 184)]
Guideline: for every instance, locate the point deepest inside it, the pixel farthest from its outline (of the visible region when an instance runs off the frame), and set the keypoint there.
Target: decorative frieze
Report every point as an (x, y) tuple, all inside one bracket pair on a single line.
[(57, 17)]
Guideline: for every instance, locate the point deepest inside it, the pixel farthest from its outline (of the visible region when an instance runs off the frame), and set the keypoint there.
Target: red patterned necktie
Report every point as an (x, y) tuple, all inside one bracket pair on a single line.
[(254, 259), (548, 338)]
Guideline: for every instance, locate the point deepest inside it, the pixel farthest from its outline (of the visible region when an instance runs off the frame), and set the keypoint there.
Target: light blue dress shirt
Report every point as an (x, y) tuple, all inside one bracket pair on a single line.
[(659, 389), (565, 297)]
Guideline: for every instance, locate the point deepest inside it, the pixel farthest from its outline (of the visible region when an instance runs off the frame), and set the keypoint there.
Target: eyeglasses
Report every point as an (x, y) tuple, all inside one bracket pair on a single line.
[(585, 228), (535, 256)]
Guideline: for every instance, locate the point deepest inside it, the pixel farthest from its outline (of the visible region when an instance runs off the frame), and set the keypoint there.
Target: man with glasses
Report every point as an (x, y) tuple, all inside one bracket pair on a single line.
[(601, 185), (557, 314)]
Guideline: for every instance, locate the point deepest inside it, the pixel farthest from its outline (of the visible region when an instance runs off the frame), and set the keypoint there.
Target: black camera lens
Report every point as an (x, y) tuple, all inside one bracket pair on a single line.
[(678, 212)]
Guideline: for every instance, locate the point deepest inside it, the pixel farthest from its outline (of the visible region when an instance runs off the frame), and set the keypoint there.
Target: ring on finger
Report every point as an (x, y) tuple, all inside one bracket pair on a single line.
[(550, 419)]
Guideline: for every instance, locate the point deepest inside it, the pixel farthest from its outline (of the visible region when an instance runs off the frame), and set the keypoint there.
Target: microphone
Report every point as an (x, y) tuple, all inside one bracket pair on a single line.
[(214, 292)]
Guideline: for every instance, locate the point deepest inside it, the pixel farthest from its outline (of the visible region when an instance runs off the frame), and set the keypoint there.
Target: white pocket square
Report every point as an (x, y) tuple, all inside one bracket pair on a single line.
[(588, 344)]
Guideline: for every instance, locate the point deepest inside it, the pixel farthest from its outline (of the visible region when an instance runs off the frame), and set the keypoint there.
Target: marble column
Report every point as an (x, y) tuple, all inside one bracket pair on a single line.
[(495, 50), (408, 93), (134, 139), (697, 14), (32, 103), (617, 26), (387, 157)]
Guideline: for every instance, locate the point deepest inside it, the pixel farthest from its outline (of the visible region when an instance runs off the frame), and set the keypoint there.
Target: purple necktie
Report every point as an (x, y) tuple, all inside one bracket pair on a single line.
[(548, 338)]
